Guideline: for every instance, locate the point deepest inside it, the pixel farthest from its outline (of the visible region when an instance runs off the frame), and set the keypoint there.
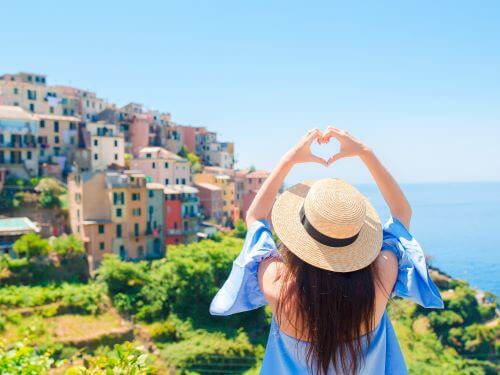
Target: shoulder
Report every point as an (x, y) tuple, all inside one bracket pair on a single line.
[(270, 270), (387, 269)]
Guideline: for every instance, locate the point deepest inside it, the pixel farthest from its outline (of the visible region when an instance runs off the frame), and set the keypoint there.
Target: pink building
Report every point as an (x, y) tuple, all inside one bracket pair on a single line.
[(139, 132), (162, 166), (211, 201), (251, 185), (189, 134)]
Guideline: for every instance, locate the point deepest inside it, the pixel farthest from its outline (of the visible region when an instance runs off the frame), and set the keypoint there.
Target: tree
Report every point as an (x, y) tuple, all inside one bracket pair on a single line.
[(31, 245), (194, 159), (240, 229), (67, 245), (50, 189)]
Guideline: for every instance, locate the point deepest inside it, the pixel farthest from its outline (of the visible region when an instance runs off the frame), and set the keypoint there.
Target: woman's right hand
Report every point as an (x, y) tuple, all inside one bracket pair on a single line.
[(301, 152)]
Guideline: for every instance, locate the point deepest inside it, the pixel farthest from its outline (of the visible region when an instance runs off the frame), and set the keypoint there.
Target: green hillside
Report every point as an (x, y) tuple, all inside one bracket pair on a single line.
[(152, 317)]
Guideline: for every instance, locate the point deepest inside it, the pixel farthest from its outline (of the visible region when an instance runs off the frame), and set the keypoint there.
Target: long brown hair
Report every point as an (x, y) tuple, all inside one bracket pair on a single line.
[(330, 310)]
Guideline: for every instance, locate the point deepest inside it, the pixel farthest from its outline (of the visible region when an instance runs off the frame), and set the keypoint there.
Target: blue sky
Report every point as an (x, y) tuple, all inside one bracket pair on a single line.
[(419, 81)]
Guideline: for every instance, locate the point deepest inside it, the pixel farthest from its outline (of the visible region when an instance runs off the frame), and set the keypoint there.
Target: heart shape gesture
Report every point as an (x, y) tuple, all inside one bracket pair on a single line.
[(349, 146)]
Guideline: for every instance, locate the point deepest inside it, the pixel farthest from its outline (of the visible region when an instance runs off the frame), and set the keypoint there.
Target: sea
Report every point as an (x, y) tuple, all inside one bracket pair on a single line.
[(457, 225)]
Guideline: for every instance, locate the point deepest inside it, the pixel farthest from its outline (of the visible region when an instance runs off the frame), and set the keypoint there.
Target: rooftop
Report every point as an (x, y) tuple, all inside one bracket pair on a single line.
[(56, 117), (186, 189), (259, 174), (9, 112), (208, 186), (160, 153), (155, 186), (17, 225)]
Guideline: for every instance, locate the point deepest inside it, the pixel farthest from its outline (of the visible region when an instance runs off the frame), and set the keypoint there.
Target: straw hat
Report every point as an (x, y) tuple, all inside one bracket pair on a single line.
[(329, 224)]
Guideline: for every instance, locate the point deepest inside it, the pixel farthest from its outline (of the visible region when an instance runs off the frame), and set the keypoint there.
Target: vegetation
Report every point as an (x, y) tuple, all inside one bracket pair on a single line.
[(165, 324), (50, 190), (31, 245), (194, 159)]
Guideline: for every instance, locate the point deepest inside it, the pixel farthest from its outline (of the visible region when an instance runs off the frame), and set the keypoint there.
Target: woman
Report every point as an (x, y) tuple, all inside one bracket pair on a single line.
[(329, 281)]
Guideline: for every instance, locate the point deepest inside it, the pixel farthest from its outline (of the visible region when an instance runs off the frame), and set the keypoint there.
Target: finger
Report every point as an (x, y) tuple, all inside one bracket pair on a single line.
[(333, 132), (313, 134), (319, 160), (335, 157)]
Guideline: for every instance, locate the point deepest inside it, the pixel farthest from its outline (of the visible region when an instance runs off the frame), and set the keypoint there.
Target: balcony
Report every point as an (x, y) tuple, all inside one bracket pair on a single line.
[(174, 232)]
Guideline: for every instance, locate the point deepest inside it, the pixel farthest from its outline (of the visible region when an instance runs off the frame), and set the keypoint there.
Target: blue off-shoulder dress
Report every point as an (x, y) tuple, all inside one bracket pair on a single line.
[(287, 355)]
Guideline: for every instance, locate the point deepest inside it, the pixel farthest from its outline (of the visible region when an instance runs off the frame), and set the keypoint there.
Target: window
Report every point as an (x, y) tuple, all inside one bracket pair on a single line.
[(166, 164), (184, 181), (116, 143), (96, 142), (78, 197), (96, 157), (31, 94), (136, 196), (153, 165), (57, 150), (177, 181), (101, 246), (136, 212), (150, 193), (140, 252), (56, 126), (148, 156), (166, 181), (136, 229), (56, 139), (42, 123), (123, 252), (51, 110), (118, 212), (101, 228), (116, 156), (118, 231), (151, 209), (28, 155), (72, 126), (32, 107), (118, 198), (16, 91)]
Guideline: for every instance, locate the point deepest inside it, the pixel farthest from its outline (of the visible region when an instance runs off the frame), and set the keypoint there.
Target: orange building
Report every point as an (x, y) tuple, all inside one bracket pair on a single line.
[(109, 211)]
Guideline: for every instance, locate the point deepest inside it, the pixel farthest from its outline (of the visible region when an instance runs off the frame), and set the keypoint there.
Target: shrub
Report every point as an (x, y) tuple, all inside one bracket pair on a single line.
[(31, 245), (122, 359), (171, 330), (67, 245), (211, 352), (22, 358)]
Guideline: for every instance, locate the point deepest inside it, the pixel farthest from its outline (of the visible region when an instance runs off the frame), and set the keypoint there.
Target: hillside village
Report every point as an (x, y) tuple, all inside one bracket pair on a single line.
[(132, 180)]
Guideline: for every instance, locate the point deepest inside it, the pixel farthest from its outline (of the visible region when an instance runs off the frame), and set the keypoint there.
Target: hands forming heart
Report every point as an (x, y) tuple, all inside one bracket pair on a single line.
[(349, 146)]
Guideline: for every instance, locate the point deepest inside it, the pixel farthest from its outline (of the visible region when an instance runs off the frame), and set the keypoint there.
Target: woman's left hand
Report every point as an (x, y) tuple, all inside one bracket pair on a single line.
[(301, 152)]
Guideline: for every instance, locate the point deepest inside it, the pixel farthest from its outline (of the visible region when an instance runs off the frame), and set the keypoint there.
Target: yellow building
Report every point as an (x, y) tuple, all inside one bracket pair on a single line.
[(107, 146)]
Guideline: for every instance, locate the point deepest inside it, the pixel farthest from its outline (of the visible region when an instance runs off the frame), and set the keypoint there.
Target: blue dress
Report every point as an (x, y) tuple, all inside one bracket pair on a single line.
[(287, 355)]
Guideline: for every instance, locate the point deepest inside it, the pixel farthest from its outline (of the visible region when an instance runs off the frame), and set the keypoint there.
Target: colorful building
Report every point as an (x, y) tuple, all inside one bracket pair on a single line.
[(18, 148), (230, 210), (109, 211), (173, 216), (211, 202), (163, 166), (107, 146), (155, 245), (57, 138), (190, 207)]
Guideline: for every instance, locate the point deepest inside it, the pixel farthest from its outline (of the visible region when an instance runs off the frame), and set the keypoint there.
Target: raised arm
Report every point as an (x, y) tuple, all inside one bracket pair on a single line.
[(392, 193), (300, 153)]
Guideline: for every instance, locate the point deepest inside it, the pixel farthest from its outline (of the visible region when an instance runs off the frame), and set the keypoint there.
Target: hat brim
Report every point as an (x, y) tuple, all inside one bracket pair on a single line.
[(288, 227)]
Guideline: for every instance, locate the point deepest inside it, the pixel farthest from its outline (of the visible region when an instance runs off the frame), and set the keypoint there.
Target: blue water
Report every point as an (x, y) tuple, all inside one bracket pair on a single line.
[(458, 225)]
